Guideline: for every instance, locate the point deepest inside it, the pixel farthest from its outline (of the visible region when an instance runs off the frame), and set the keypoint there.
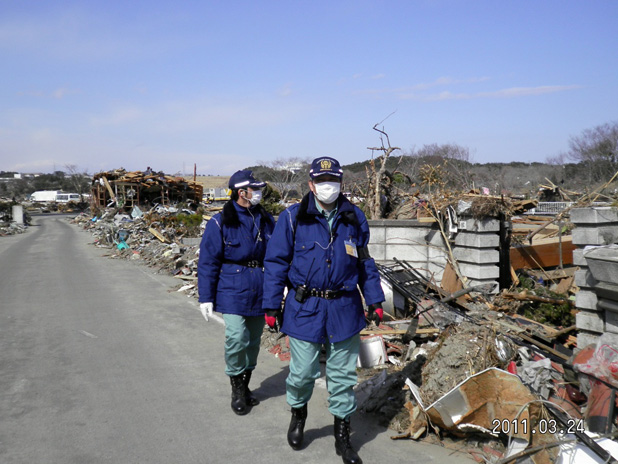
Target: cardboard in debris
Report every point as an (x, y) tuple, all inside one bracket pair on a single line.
[(476, 403)]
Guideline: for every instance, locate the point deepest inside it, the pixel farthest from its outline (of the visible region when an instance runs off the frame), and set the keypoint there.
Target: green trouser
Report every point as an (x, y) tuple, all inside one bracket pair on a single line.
[(341, 358), (242, 342)]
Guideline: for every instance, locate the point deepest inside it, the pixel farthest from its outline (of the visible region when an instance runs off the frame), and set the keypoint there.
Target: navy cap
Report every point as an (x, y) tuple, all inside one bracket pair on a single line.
[(244, 179), (325, 165)]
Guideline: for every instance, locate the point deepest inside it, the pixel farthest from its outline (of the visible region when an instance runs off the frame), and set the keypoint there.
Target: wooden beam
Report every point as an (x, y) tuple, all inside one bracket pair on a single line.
[(544, 254)]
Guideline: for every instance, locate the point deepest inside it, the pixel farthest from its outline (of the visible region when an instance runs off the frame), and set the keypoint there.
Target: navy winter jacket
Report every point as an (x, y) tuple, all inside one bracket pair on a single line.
[(304, 251), (236, 235)]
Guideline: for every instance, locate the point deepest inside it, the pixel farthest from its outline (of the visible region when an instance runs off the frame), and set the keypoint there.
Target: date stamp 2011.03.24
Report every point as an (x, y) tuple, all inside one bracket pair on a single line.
[(542, 426)]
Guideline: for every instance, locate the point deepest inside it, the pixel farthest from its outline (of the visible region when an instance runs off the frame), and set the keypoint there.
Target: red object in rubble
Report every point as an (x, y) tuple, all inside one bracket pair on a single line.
[(512, 368)]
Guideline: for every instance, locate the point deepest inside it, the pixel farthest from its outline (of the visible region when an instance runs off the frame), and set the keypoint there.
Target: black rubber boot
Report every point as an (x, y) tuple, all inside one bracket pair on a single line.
[(239, 402), (249, 398), (296, 432), (342, 442)]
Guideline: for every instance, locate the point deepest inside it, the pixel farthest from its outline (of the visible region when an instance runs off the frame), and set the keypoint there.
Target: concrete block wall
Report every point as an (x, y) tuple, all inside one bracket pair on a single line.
[(422, 245), (476, 250), (418, 243), (594, 226)]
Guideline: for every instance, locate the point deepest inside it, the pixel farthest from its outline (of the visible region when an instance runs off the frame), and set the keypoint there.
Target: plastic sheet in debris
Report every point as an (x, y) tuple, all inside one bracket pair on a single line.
[(575, 452)]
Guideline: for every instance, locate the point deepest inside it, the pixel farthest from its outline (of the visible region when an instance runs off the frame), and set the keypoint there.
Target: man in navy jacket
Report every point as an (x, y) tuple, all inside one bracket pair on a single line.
[(318, 251), (231, 277)]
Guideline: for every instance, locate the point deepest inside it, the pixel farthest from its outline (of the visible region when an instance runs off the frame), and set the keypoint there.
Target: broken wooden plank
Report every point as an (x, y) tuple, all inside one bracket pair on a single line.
[(543, 346), (543, 254), (381, 331), (158, 234), (109, 188)]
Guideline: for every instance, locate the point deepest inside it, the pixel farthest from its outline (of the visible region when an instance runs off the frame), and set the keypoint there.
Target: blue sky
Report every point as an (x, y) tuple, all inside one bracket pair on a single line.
[(227, 84)]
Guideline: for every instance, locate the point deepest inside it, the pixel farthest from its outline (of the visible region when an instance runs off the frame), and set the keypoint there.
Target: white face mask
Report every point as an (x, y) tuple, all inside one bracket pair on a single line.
[(327, 192), (256, 197)]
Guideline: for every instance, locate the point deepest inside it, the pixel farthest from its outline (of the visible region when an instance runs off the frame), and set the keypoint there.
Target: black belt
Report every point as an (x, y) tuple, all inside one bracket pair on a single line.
[(327, 294), (252, 263)]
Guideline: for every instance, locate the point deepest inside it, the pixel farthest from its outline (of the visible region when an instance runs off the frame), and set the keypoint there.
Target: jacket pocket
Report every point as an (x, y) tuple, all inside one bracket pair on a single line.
[(304, 255)]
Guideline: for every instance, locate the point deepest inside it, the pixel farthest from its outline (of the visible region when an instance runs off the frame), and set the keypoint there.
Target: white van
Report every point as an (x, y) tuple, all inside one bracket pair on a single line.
[(66, 197)]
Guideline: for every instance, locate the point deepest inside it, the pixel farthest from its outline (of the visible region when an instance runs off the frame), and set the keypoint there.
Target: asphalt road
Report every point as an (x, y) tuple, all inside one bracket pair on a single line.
[(101, 363)]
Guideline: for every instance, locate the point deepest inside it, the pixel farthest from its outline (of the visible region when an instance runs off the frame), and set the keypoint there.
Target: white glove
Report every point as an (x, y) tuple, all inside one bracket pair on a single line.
[(206, 309)]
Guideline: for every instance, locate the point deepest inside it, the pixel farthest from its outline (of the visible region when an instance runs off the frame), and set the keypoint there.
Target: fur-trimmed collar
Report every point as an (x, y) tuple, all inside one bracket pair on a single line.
[(308, 211), (229, 215)]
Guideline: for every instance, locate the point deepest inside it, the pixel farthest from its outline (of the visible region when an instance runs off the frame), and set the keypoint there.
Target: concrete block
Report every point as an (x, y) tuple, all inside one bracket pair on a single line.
[(603, 263), (607, 291), (476, 255), (437, 254), (586, 300), (610, 339), (609, 306), (406, 252), (611, 322), (378, 252), (480, 271), (584, 279), (470, 239), (377, 234), (471, 224), (436, 270), (578, 257), (590, 321), (434, 237), (594, 215), (408, 235), (595, 235), (586, 338)]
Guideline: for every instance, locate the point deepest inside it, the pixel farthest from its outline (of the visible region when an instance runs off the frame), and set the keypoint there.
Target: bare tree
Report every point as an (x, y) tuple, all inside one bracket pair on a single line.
[(374, 204), (287, 175), (557, 160), (454, 159), (79, 181), (597, 149)]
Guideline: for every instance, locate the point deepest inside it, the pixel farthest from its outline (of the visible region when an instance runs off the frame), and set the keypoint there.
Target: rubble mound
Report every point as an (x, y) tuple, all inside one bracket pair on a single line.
[(461, 351)]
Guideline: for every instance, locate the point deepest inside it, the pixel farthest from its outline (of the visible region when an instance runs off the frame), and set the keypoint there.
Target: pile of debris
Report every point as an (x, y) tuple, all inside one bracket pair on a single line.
[(128, 189), (487, 377), (155, 238), (8, 224), (11, 228)]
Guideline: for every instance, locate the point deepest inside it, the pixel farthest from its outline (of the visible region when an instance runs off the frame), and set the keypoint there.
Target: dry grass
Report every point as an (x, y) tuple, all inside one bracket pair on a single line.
[(210, 181)]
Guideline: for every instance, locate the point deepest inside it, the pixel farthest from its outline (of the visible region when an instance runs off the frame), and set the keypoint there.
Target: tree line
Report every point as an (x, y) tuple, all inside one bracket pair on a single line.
[(591, 160)]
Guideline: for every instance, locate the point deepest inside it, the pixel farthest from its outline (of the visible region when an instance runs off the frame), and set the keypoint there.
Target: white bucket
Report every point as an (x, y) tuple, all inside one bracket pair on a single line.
[(372, 352)]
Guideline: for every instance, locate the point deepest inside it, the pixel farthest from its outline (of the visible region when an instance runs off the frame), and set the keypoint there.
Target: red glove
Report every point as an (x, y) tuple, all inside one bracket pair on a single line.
[(375, 313), (271, 317)]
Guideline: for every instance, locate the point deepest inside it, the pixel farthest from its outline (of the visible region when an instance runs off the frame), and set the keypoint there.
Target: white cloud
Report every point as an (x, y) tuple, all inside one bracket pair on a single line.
[(57, 94), (117, 117), (512, 92), (285, 91)]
